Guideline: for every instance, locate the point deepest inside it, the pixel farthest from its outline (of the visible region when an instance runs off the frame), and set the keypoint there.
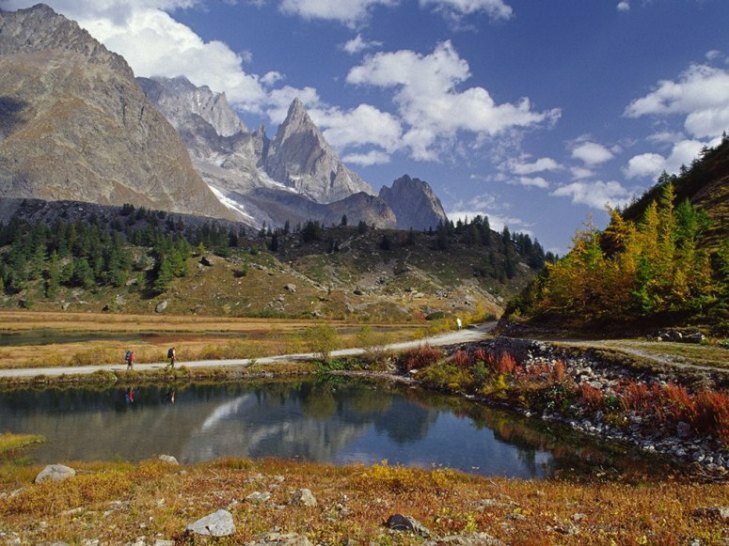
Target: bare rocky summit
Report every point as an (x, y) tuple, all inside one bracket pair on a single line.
[(414, 203), (301, 158), (75, 125)]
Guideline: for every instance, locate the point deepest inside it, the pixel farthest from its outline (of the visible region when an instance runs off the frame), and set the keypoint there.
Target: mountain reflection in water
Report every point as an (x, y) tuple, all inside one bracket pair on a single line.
[(334, 420)]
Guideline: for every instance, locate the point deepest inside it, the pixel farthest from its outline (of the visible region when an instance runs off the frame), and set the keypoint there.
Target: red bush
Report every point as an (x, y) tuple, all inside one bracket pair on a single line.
[(680, 405), (712, 414), (461, 359), (592, 397), (559, 372), (420, 357), (506, 364)]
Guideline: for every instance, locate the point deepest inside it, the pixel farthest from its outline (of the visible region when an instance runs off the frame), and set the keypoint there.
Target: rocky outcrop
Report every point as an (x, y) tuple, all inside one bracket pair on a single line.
[(75, 124), (414, 203), (55, 473), (300, 158), (276, 206)]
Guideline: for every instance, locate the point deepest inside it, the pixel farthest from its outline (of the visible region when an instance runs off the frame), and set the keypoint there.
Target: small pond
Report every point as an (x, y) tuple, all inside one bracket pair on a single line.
[(335, 419)]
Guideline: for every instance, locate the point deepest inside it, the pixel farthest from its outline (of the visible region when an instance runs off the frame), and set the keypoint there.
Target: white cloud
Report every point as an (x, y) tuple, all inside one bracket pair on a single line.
[(373, 157), (653, 164), (359, 44), (364, 125), (533, 181), (348, 12), (624, 5), (579, 173), (271, 78), (701, 93), (496, 221), (595, 194), (591, 153), (496, 9), (713, 54), (431, 107), (540, 165)]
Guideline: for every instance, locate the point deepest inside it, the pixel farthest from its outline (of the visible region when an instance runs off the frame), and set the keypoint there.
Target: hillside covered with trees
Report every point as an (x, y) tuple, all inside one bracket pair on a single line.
[(662, 261), (132, 259)]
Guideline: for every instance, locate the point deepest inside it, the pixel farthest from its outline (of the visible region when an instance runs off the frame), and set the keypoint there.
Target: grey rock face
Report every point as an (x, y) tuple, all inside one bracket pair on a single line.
[(474, 539), (76, 126), (303, 497), (398, 522), (169, 459), (414, 203), (300, 158), (217, 524), (55, 473), (179, 100)]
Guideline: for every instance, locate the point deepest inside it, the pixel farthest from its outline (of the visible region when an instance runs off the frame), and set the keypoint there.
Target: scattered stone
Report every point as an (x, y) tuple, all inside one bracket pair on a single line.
[(713, 512), (119, 300), (161, 306), (163, 542), (398, 522), (169, 459), (683, 430), (65, 305), (358, 292), (303, 497), (206, 261), (258, 497), (217, 524), (280, 539), (290, 288), (55, 472), (474, 539)]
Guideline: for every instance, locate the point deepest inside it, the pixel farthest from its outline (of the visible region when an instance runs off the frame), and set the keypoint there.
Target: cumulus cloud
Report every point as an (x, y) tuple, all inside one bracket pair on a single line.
[(364, 125), (596, 194), (540, 165), (653, 164), (348, 12), (591, 153), (496, 9), (533, 181), (432, 108), (701, 94), (624, 5), (373, 157), (579, 173), (359, 44)]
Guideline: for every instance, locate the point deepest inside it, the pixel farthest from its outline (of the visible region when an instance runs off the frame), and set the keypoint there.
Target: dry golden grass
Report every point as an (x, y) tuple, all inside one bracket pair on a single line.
[(196, 338), (116, 502)]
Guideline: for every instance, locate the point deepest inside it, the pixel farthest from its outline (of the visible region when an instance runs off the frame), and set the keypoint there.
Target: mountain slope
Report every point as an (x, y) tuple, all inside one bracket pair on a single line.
[(75, 125)]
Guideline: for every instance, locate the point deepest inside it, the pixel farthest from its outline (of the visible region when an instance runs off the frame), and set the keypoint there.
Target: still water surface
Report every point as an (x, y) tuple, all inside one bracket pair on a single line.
[(337, 420)]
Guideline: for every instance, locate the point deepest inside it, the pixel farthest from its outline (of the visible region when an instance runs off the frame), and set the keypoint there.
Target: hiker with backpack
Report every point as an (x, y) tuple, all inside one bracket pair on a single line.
[(172, 355), (129, 358)]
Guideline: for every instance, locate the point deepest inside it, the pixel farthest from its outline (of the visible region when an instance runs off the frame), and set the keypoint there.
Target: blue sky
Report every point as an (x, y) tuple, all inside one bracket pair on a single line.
[(534, 112)]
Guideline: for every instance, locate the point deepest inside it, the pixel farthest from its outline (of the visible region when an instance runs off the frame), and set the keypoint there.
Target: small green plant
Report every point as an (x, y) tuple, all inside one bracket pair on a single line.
[(322, 340)]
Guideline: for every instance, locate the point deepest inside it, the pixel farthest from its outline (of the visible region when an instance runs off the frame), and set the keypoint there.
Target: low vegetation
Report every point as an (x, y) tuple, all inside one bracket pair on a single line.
[(548, 386), (10, 442), (114, 502)]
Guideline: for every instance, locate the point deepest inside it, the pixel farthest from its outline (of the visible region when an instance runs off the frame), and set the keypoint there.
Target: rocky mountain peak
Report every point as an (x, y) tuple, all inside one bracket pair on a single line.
[(414, 203), (178, 98), (39, 28), (301, 158)]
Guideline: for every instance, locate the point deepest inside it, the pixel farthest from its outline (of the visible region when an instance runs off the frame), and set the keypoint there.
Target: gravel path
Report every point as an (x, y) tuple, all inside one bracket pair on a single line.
[(474, 333)]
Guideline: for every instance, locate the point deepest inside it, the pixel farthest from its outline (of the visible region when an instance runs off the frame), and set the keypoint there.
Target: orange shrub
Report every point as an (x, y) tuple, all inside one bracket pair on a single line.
[(420, 357), (712, 414), (461, 359), (680, 405), (506, 364), (592, 397), (559, 371)]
